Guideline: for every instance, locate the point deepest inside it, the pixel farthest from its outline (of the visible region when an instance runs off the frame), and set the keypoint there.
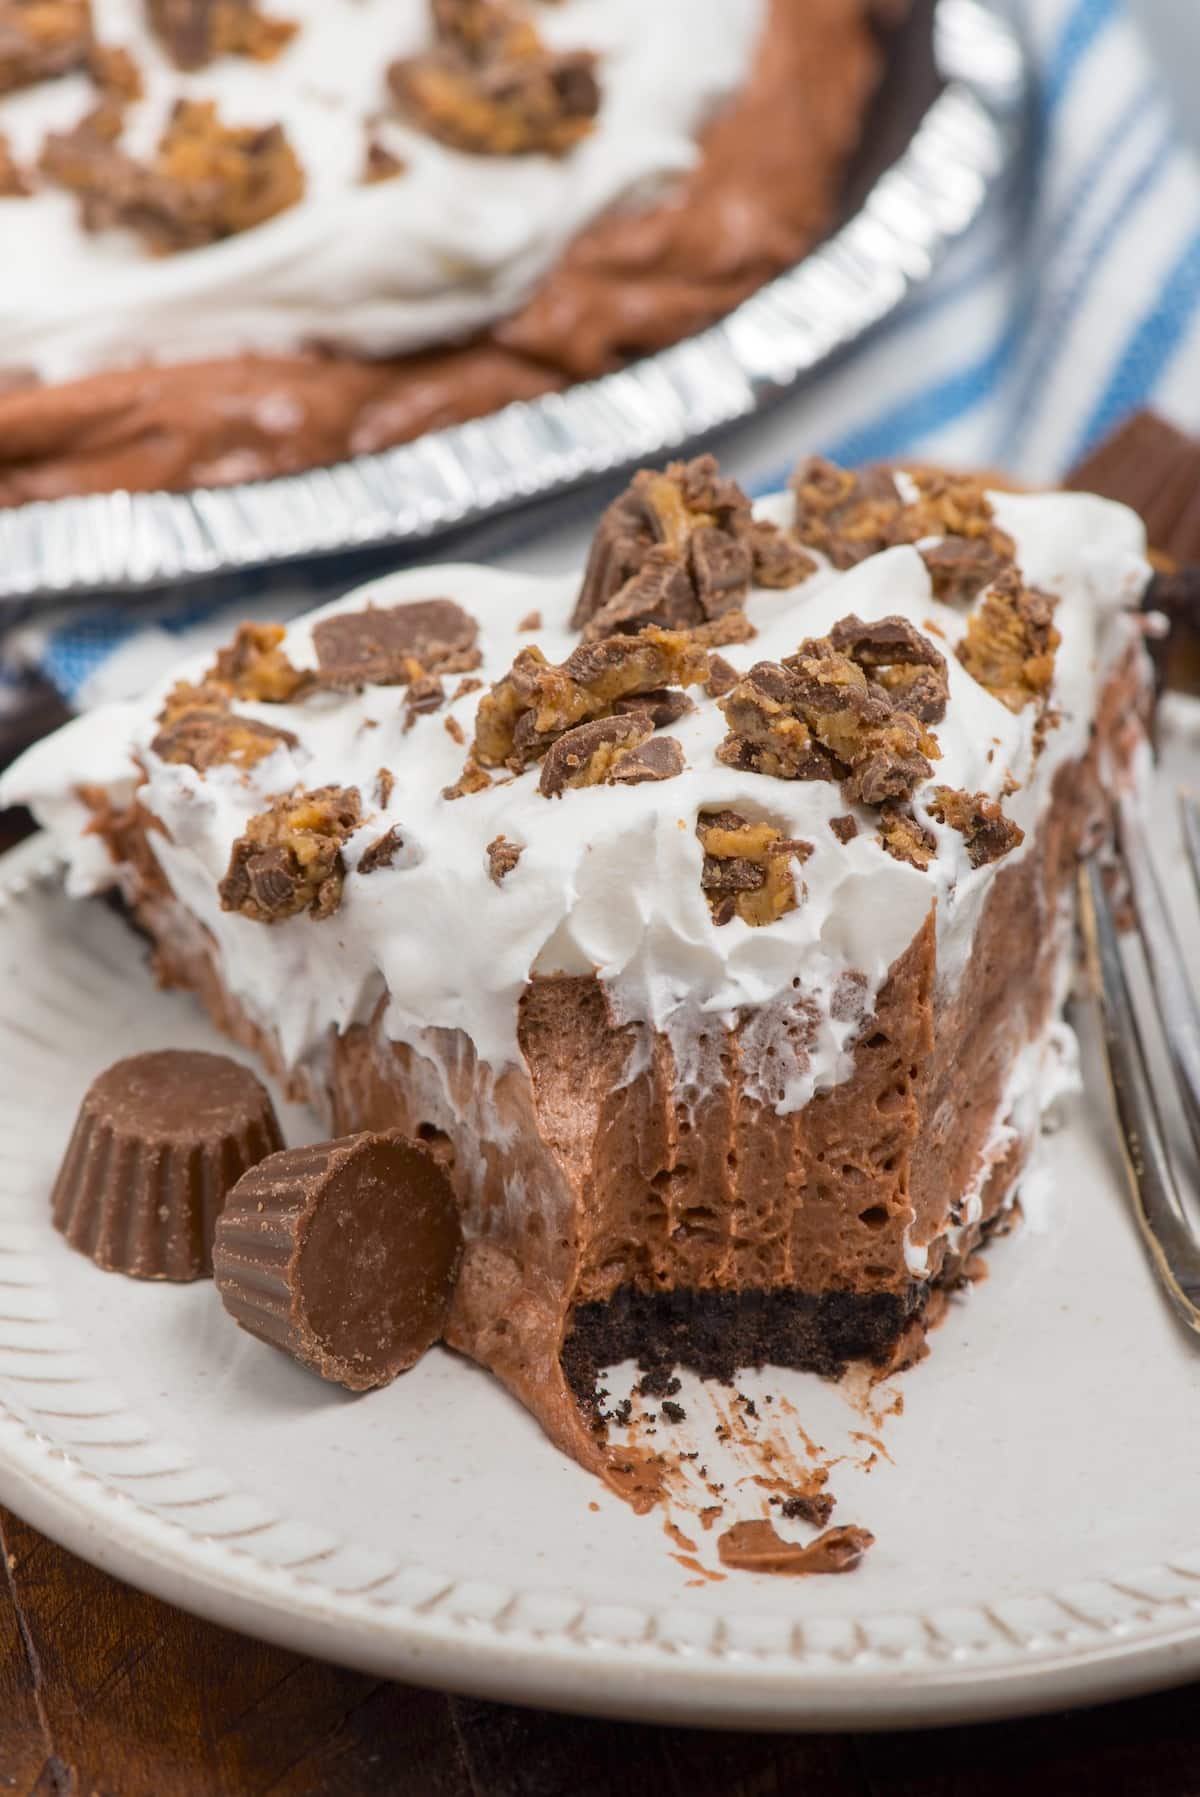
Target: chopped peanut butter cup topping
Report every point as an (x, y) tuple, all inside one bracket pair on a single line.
[(903, 837), (40, 39), (747, 869), (479, 28), (894, 655), (425, 694), (380, 163), (588, 754), (472, 779), (200, 731), (659, 758), (1010, 642), (849, 517), (538, 701), (722, 677), (382, 852), (290, 858), (86, 159), (116, 73), (662, 708), (502, 856), (491, 86), (680, 549), (960, 567), (14, 182), (196, 32), (846, 516), (824, 713), (717, 633), (987, 832), (207, 180), (253, 666), (395, 645)]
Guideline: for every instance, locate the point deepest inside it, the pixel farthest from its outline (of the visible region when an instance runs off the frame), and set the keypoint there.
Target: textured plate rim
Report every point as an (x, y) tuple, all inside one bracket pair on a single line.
[(539, 448), (1110, 1637), (584, 1673)]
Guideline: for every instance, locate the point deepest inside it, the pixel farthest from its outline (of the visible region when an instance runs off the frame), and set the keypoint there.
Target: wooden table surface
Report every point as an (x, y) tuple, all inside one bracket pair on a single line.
[(106, 1693)]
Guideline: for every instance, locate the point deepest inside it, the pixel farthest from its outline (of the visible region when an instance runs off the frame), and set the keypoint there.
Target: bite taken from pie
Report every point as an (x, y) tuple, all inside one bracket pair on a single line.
[(706, 917), (248, 237)]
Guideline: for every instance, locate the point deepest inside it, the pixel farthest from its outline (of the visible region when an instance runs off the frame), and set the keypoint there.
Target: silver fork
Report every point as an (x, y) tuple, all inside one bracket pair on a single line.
[(1173, 1245)]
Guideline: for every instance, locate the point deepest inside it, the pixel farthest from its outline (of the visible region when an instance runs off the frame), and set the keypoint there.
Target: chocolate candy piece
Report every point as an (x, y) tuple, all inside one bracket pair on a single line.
[(344, 1254), (389, 646), (1150, 465), (160, 1141)]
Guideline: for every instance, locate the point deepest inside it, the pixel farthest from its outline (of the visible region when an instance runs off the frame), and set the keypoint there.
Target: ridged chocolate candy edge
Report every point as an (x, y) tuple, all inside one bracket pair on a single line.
[(258, 1235), (149, 1209)]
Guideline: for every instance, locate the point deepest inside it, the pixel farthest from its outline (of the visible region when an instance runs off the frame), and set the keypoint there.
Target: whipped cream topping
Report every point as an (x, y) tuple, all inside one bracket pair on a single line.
[(1044, 1073), (440, 251), (609, 877)]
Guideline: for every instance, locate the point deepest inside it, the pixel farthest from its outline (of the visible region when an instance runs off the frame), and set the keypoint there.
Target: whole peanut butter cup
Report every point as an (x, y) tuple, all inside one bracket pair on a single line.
[(160, 1141), (1154, 467), (344, 1255)]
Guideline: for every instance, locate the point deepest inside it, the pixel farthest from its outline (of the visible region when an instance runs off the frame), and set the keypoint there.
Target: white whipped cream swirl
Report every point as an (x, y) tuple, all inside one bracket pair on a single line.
[(609, 877), (436, 253)]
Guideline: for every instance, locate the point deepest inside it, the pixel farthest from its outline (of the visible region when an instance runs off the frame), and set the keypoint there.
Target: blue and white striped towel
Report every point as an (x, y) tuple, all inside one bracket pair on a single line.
[(1074, 299)]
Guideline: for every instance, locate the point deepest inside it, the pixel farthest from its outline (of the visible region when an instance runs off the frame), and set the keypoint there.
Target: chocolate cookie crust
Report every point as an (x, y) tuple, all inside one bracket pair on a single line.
[(713, 1333)]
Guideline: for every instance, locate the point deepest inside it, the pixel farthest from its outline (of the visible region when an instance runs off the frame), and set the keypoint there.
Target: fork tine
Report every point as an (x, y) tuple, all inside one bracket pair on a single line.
[(1165, 1231), (1189, 814), (1168, 970)]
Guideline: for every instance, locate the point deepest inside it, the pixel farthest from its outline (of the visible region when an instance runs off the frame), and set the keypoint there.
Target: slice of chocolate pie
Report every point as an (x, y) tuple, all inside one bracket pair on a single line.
[(715, 931), (247, 237)]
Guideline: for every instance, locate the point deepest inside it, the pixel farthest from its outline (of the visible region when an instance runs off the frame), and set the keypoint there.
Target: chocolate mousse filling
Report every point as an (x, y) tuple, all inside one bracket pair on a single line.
[(764, 190), (903, 1134)]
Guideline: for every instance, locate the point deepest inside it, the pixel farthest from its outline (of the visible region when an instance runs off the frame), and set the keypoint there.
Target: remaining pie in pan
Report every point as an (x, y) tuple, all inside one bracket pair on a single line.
[(709, 915), (246, 237)]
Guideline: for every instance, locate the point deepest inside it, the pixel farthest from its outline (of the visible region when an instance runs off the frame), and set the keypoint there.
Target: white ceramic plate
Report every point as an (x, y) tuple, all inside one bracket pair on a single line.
[(1034, 1506)]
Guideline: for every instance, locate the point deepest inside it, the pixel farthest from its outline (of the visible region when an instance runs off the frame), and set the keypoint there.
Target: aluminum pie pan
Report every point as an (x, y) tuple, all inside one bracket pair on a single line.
[(536, 449)]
